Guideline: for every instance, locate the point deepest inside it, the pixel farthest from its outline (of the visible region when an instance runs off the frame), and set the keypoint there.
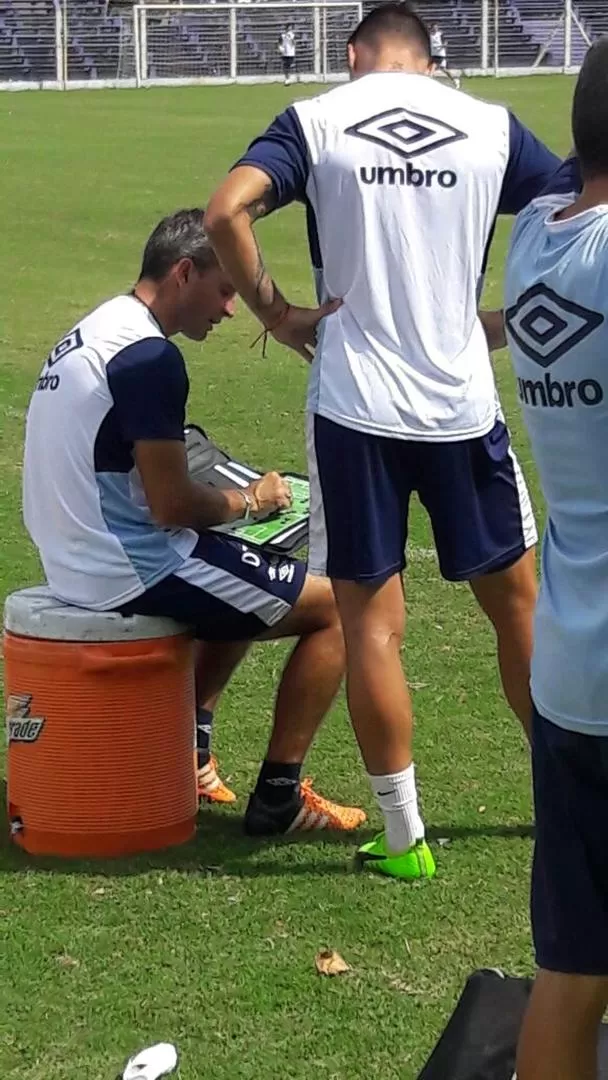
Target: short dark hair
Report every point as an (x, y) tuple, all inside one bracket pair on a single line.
[(590, 111), (394, 19), (179, 236)]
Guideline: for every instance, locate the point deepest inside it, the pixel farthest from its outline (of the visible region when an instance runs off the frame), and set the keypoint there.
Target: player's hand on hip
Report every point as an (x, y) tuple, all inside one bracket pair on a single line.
[(270, 493), (298, 327)]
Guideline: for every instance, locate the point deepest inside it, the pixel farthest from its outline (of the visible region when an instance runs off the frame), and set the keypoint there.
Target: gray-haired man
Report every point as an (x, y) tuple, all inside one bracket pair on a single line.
[(120, 524)]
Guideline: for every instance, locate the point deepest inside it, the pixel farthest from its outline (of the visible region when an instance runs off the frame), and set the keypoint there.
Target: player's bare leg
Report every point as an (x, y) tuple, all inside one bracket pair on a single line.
[(454, 79), (216, 663), (559, 1037), (509, 598), (313, 672), (373, 619), (309, 684), (442, 69)]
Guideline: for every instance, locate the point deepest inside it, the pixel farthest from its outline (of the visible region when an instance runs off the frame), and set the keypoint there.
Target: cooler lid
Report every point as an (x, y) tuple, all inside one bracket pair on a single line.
[(36, 613)]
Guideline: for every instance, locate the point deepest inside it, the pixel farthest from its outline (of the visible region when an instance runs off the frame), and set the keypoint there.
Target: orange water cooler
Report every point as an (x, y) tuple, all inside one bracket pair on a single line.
[(100, 715)]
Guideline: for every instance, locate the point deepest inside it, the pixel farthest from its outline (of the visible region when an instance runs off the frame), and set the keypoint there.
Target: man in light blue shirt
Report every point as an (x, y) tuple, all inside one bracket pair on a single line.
[(557, 327)]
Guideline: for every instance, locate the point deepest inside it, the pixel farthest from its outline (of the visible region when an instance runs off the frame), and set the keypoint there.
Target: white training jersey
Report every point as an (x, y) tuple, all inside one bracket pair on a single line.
[(556, 300), (402, 178), (287, 43), (437, 43), (113, 379)]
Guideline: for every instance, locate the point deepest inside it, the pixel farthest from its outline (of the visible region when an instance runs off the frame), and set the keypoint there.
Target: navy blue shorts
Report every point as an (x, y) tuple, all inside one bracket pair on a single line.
[(361, 484), (225, 591), (570, 873)]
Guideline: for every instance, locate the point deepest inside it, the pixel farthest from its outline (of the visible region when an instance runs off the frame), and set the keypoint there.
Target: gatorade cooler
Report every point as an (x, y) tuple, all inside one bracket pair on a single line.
[(100, 715)]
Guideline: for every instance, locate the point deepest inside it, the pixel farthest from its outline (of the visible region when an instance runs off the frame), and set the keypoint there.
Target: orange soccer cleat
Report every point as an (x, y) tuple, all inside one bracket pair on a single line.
[(307, 812), (211, 788)]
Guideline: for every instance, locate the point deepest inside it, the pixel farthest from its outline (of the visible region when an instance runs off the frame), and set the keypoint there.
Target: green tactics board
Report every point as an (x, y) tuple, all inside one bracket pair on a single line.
[(282, 528)]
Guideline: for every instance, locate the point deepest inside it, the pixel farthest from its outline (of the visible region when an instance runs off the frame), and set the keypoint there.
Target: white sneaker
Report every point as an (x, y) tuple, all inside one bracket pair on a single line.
[(157, 1061)]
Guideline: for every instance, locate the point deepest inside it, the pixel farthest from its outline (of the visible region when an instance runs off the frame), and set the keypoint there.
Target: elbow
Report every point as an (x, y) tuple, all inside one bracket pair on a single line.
[(218, 219), (169, 513)]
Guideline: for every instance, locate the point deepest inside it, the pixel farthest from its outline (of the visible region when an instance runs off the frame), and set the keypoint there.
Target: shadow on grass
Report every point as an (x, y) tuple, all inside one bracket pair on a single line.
[(220, 846)]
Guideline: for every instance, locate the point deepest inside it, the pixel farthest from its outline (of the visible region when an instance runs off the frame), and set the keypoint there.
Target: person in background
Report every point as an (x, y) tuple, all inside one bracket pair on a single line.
[(439, 55), (121, 526), (287, 49), (556, 301)]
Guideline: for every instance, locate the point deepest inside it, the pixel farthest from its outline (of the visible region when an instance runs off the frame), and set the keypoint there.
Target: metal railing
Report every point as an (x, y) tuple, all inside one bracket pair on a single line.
[(66, 43)]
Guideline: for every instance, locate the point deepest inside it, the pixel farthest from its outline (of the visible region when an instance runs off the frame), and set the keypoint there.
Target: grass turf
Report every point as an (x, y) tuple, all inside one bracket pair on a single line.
[(213, 946)]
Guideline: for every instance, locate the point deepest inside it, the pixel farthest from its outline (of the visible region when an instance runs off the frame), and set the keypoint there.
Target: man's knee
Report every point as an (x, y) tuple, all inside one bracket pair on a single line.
[(318, 602), (372, 615), (314, 610)]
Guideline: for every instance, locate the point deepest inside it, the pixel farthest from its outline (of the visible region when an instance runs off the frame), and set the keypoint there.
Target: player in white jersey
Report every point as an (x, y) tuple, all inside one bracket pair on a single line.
[(287, 49), (556, 294), (402, 178), (120, 525), (439, 55)]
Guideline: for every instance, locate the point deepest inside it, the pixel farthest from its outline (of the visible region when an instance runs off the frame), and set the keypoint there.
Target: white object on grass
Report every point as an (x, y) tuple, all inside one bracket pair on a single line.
[(159, 1060)]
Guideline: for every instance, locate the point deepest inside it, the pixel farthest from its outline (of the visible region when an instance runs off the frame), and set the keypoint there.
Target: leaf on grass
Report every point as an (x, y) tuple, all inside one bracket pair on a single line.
[(99, 892), (66, 961), (329, 962)]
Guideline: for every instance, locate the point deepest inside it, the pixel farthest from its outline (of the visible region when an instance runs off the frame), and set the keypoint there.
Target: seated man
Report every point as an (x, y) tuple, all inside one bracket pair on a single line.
[(120, 524)]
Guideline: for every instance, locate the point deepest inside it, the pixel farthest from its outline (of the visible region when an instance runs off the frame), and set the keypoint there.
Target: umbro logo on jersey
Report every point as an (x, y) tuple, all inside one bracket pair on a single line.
[(406, 133), (546, 326), (409, 135)]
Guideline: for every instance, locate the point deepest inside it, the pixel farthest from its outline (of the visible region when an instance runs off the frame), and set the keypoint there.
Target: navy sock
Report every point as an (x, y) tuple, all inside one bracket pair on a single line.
[(204, 724), (278, 783)]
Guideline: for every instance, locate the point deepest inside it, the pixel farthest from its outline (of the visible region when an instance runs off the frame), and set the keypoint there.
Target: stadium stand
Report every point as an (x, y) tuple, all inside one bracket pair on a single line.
[(27, 40), (595, 16), (529, 32), (542, 23)]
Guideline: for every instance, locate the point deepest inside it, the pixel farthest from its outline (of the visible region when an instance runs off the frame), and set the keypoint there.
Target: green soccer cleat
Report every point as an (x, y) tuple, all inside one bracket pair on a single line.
[(411, 865)]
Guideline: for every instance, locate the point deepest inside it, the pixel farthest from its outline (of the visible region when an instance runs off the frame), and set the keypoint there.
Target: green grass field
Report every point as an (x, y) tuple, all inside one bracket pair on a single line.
[(213, 946)]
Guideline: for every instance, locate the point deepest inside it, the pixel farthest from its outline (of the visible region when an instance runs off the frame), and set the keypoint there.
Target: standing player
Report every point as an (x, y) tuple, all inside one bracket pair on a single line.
[(439, 55), (287, 49), (557, 324), (402, 178)]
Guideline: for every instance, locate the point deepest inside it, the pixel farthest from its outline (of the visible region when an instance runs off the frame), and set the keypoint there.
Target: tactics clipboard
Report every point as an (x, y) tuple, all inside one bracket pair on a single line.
[(282, 533)]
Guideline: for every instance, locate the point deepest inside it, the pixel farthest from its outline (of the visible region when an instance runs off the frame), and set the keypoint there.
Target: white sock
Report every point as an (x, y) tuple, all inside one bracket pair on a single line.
[(398, 800)]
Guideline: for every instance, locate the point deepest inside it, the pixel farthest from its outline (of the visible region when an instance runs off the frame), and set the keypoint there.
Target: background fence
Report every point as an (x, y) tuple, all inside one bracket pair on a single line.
[(71, 43)]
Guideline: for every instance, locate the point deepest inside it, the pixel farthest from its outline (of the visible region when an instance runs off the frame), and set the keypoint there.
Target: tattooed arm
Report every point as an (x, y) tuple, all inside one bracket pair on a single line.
[(273, 173), (246, 195)]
